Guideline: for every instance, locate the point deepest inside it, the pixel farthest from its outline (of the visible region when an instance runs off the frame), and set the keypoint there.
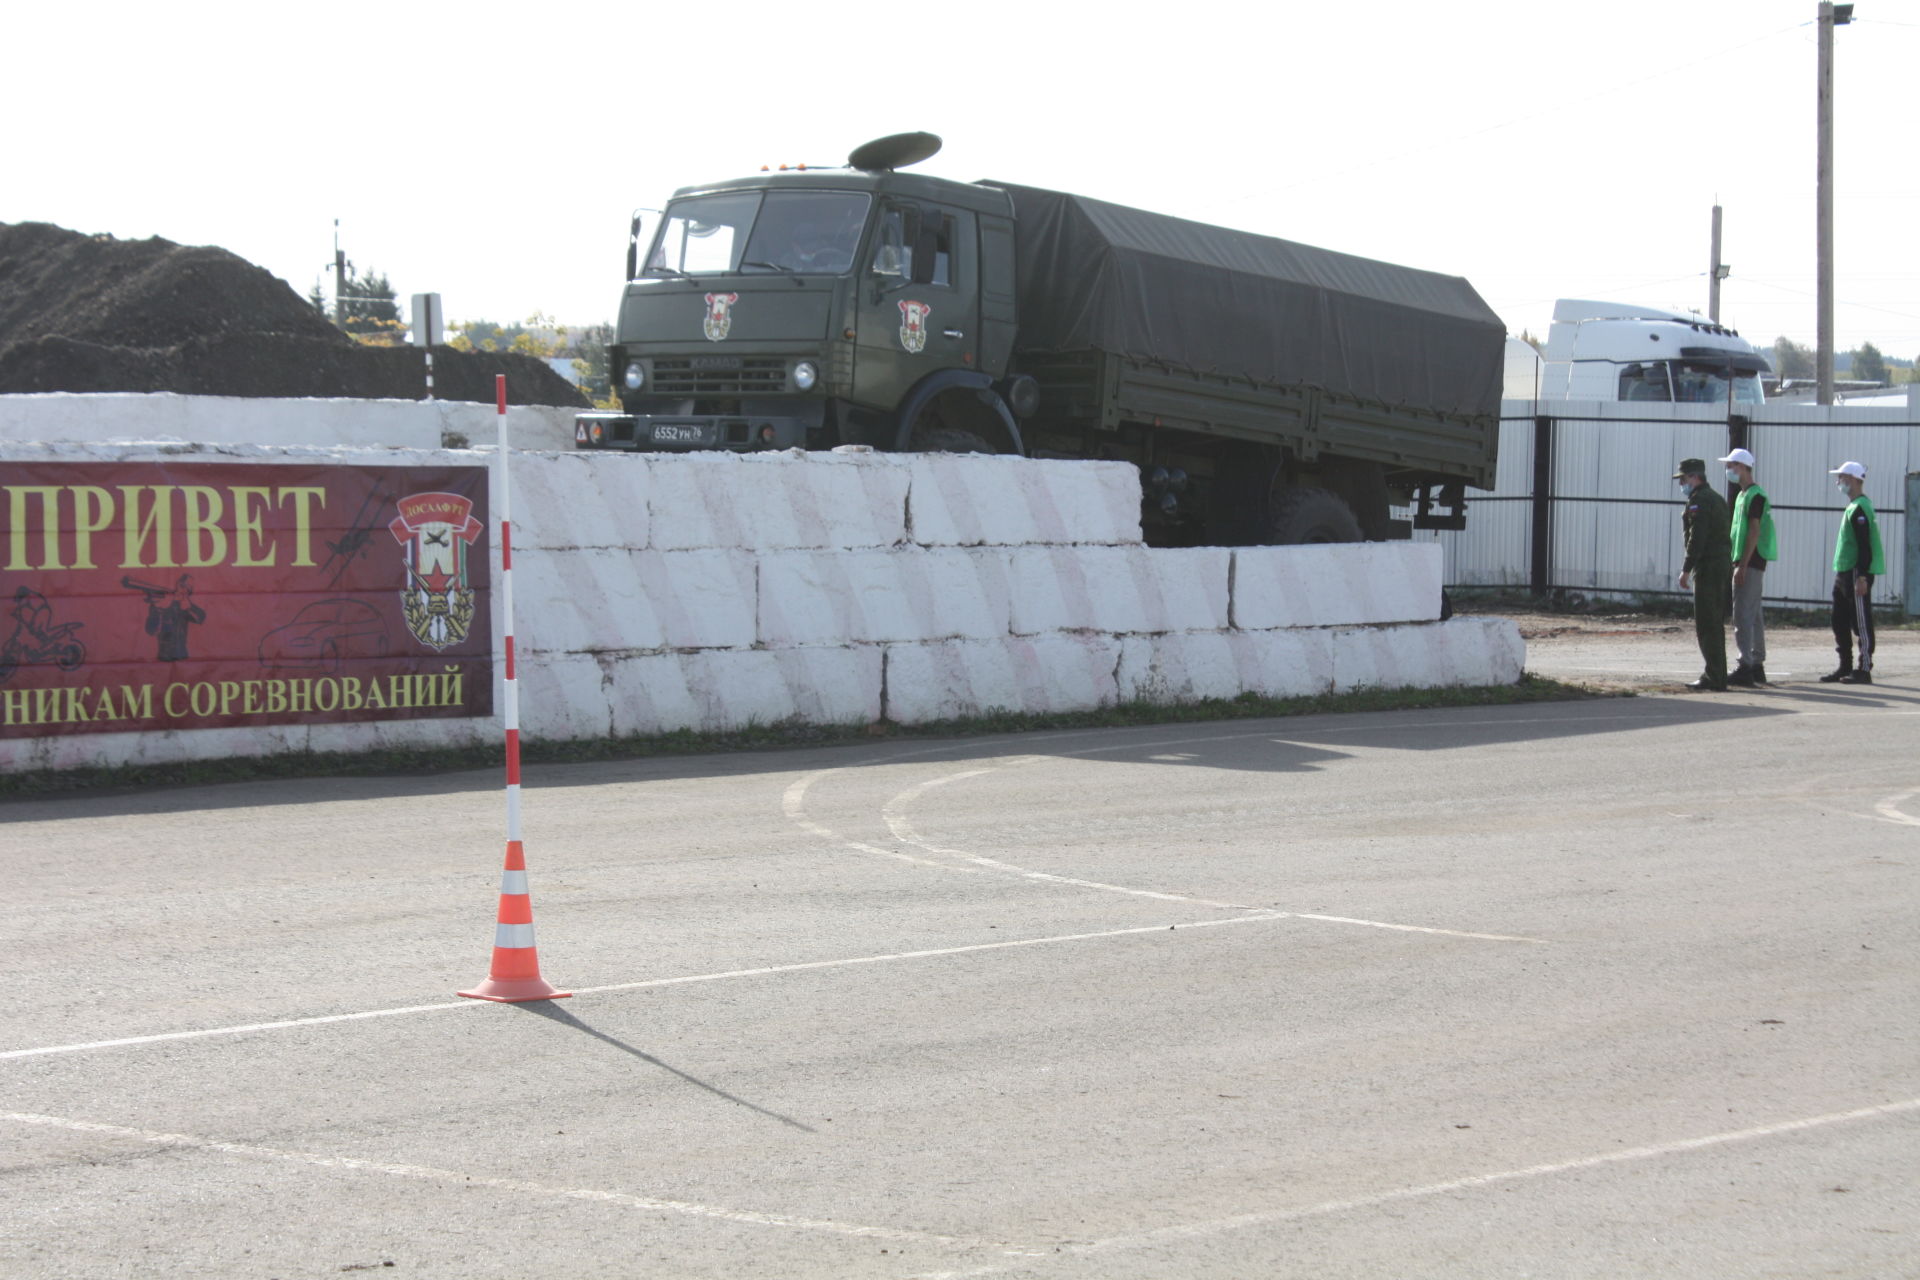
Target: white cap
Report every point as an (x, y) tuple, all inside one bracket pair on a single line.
[(1853, 469), (1741, 456)]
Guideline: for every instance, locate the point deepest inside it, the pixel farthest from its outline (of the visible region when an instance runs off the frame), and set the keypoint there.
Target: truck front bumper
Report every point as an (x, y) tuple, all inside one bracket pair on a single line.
[(674, 433)]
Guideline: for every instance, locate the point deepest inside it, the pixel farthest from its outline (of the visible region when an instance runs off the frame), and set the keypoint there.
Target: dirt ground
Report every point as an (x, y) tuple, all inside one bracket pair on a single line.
[(83, 313), (1643, 652)]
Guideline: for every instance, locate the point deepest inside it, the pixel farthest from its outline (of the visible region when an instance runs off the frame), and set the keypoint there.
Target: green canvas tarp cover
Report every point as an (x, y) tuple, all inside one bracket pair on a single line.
[(1097, 276)]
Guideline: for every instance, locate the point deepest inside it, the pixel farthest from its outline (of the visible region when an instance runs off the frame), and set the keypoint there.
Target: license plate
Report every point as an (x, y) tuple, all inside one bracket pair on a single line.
[(668, 433)]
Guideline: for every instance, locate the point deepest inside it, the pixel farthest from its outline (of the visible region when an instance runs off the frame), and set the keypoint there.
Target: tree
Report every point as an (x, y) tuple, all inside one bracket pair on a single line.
[(1791, 360), (372, 315), (538, 336), (1531, 341), (1868, 364), (590, 364)]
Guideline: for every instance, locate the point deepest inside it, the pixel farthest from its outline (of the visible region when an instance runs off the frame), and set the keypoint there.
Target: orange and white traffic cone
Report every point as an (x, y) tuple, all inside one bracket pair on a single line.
[(515, 976)]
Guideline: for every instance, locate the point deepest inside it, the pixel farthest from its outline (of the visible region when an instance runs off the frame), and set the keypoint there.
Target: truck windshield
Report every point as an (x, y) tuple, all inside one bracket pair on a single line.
[(1688, 383), (788, 232), (1707, 384)]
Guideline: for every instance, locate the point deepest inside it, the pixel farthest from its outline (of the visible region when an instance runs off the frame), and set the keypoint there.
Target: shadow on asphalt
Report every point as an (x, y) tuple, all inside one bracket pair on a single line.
[(553, 1012), (1297, 743)]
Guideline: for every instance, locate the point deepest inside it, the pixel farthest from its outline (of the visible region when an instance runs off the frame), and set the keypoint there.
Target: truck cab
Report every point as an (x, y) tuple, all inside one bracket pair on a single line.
[(1618, 351), (1268, 391), (811, 308)]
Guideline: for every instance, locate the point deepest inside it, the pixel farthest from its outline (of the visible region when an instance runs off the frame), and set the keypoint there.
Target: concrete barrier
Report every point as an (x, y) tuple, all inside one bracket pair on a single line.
[(61, 417), (714, 591)]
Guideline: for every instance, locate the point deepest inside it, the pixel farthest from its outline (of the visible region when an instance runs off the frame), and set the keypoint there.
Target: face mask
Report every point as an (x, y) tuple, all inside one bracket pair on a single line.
[(1685, 487), (1840, 483), (1733, 475)]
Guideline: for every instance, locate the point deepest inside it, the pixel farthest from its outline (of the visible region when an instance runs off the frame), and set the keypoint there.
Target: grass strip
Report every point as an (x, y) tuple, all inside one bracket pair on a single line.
[(415, 761)]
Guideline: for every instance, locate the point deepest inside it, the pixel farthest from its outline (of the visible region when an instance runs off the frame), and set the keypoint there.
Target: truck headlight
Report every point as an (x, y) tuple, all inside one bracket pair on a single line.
[(805, 375), (635, 377)]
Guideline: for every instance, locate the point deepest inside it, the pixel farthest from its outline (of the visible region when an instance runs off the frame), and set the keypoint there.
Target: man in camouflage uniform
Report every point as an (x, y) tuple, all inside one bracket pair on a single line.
[(1707, 530)]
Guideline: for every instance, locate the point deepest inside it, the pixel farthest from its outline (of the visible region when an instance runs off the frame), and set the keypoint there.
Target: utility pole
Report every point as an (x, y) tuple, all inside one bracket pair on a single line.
[(1830, 16), (339, 281), (1716, 272)]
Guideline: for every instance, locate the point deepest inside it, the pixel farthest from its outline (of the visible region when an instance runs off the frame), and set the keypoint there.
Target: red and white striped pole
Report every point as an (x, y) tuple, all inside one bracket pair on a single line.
[(515, 975)]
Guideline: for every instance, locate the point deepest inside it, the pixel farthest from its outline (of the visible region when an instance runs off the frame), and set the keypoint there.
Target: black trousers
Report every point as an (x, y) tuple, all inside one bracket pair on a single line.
[(1853, 619)]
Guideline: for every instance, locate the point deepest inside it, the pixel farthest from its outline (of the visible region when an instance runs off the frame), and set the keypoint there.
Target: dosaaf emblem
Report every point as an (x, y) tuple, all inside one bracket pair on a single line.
[(719, 316), (435, 530), (913, 325)]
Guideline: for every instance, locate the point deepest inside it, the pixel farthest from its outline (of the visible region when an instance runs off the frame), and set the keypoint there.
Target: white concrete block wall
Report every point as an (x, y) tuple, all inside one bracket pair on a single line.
[(719, 591), (877, 597), (1336, 585), (952, 679), (1457, 653), (775, 501), (364, 424), (975, 500), (567, 500), (1189, 666), (619, 600), (79, 750), (1118, 589), (591, 696)]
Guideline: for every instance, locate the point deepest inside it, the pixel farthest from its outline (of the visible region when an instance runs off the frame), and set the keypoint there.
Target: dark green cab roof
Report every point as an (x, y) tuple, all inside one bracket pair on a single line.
[(912, 186)]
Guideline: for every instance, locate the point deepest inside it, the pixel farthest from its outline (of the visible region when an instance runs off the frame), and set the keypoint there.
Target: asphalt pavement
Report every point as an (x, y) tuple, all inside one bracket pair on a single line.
[(1615, 988)]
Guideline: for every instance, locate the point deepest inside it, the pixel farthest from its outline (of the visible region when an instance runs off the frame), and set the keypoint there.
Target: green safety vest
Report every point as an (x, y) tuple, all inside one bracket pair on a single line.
[(1769, 543), (1846, 552)]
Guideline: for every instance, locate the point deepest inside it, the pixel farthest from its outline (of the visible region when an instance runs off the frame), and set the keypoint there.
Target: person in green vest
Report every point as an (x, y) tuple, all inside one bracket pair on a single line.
[(1708, 570), (1755, 546), (1857, 560)]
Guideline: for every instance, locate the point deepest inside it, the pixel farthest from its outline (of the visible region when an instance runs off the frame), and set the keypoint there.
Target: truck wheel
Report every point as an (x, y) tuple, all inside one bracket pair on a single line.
[(948, 440), (1306, 513)]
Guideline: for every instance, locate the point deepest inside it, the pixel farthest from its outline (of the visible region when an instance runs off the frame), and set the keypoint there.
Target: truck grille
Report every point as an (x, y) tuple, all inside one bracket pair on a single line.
[(695, 377)]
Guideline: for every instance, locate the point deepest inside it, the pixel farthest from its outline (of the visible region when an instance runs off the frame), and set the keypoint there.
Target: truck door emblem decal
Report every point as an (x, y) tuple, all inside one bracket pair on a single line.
[(913, 325), (719, 316)]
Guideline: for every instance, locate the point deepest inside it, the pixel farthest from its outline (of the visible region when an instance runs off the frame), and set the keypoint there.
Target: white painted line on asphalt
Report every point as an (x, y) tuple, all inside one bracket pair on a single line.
[(793, 804), (1417, 928), (1328, 1208), (903, 829), (516, 1186), (764, 971), (941, 951), (1890, 810), (124, 1041), (893, 811)]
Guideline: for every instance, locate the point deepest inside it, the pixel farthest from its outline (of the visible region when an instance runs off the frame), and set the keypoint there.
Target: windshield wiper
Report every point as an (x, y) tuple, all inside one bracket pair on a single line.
[(775, 266), (669, 271)]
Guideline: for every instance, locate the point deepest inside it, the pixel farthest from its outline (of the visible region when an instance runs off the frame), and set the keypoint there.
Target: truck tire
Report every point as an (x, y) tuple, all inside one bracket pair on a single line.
[(1307, 513), (948, 440)]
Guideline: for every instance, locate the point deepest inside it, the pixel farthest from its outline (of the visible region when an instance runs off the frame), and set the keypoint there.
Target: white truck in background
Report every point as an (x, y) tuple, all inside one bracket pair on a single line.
[(1621, 351)]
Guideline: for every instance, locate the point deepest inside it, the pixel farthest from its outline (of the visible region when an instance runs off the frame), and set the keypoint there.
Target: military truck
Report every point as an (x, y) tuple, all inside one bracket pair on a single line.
[(1269, 392)]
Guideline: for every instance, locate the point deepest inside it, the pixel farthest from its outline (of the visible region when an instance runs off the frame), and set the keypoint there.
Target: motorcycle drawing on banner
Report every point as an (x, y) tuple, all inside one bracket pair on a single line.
[(37, 638)]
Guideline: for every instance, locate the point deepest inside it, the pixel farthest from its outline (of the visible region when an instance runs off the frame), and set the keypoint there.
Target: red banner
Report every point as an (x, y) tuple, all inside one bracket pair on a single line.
[(157, 595)]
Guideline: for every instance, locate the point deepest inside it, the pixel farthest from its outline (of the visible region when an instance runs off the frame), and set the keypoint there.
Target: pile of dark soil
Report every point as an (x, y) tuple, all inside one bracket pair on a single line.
[(91, 313)]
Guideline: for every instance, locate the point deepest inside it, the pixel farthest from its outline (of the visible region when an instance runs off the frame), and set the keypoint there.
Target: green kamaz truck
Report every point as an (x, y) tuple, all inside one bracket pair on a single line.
[(1269, 392)]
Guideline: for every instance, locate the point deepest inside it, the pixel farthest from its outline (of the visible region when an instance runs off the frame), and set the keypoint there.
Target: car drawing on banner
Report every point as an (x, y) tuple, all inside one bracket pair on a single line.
[(323, 634)]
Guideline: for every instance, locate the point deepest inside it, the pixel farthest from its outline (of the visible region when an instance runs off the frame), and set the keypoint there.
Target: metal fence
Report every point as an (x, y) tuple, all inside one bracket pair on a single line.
[(1583, 499)]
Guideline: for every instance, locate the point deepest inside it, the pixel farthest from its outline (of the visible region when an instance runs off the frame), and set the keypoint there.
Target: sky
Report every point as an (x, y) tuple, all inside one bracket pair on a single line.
[(493, 153)]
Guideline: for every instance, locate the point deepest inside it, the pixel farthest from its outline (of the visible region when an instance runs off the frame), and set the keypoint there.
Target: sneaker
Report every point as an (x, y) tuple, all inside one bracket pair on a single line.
[(1743, 677), (1759, 672), (1836, 675), (1857, 677), (1703, 685)]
